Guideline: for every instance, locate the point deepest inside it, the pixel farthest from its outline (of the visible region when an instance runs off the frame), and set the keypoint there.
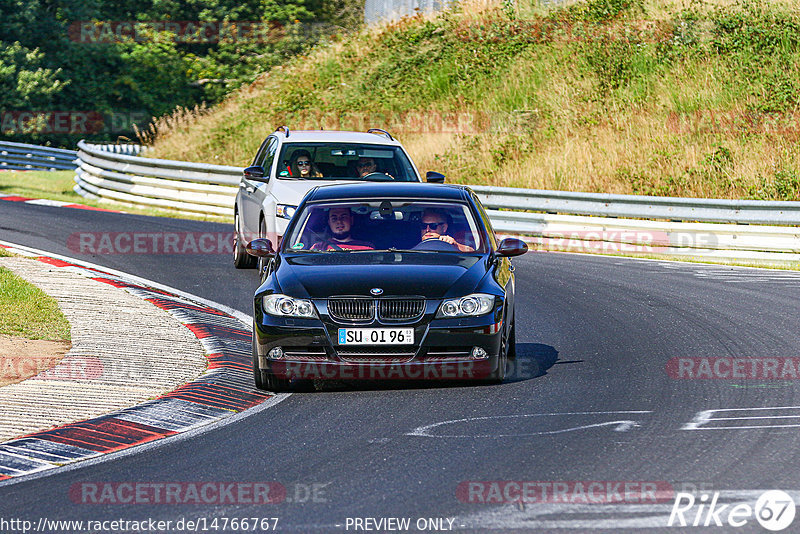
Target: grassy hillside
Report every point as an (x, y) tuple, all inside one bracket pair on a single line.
[(622, 96)]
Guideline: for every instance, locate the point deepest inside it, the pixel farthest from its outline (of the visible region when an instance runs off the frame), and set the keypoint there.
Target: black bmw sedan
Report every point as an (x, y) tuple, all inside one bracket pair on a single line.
[(385, 281)]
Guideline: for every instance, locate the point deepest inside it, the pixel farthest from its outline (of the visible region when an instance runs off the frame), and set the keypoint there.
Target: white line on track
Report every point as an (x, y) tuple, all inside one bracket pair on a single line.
[(619, 425)]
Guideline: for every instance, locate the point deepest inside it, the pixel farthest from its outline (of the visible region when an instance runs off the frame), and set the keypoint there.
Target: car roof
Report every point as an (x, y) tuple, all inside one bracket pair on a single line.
[(321, 136), (373, 190)]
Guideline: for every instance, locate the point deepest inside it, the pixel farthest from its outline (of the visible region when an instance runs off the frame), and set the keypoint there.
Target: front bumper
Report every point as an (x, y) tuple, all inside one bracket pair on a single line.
[(444, 349)]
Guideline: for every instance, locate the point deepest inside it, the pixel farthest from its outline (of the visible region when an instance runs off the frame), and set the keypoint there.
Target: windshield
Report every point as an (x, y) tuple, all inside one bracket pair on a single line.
[(338, 161), (335, 227)]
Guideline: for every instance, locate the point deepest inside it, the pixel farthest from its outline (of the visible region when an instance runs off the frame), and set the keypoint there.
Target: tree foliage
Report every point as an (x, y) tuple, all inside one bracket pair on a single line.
[(46, 64)]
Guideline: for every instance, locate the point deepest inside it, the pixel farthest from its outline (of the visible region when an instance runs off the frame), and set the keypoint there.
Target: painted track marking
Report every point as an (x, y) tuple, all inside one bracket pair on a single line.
[(214, 399)]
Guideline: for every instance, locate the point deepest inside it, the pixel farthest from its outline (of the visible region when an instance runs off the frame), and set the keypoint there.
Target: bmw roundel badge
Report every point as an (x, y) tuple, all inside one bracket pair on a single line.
[(376, 291)]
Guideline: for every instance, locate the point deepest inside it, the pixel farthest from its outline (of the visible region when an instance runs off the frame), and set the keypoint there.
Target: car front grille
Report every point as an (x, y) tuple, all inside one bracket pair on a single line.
[(401, 309), (400, 358), (351, 308), (376, 354), (305, 354), (363, 309), (447, 354)]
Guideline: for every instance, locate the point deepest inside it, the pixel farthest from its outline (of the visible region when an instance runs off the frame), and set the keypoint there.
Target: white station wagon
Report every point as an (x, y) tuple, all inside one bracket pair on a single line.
[(289, 164)]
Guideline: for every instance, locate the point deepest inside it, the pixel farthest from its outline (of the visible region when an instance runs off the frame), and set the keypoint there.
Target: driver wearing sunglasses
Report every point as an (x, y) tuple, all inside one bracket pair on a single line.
[(433, 225), (366, 166)]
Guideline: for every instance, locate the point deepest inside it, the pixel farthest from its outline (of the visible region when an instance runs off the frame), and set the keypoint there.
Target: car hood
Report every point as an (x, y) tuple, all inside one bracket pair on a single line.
[(291, 192), (431, 274)]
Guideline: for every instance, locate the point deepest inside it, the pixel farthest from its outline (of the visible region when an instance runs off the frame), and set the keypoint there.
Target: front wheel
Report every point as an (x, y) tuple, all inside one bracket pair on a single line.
[(241, 259), (265, 380), (261, 262), (498, 375), (512, 342)]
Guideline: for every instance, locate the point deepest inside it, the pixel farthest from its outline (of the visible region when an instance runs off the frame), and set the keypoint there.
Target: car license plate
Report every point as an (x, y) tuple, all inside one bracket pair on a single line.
[(376, 336)]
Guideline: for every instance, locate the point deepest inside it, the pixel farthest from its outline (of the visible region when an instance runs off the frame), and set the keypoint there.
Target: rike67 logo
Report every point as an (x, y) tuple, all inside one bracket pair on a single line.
[(774, 510)]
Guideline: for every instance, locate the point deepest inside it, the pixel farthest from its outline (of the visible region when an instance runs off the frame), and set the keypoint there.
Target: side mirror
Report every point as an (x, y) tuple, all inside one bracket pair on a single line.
[(433, 177), (256, 172), (511, 246), (261, 248)]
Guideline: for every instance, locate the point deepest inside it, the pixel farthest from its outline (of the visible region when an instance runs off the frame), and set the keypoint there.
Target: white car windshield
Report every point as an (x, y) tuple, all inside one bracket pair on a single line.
[(345, 161), (382, 225)]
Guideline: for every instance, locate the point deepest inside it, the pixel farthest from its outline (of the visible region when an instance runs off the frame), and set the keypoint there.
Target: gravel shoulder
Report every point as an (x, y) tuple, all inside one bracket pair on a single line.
[(124, 351), (22, 358)]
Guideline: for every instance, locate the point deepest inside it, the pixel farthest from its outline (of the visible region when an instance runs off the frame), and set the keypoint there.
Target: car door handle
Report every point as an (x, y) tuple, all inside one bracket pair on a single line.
[(249, 189)]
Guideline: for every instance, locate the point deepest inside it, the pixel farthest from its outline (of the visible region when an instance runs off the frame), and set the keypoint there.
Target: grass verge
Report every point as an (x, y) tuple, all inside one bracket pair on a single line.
[(26, 311), (686, 98)]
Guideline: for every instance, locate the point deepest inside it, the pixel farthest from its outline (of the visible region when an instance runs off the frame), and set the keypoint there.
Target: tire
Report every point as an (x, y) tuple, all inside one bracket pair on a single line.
[(241, 259), (261, 263), (512, 342), (263, 379), (499, 374)]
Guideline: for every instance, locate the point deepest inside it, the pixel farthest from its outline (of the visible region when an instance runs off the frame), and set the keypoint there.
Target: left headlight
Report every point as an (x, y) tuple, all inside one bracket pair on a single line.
[(469, 306), (286, 306), (285, 211)]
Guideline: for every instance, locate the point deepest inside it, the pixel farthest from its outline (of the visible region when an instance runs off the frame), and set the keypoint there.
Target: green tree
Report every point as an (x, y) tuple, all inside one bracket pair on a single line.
[(44, 65), (24, 83)]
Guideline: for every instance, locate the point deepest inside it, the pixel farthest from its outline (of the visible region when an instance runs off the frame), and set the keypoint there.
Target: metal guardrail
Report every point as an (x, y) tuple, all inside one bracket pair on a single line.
[(376, 11), (738, 230), (20, 156), (128, 149), (639, 206), (601, 234), (158, 183)]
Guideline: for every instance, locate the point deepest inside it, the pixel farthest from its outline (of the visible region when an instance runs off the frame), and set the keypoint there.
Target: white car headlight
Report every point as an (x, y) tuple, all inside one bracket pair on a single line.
[(286, 306), (469, 306), (285, 211)]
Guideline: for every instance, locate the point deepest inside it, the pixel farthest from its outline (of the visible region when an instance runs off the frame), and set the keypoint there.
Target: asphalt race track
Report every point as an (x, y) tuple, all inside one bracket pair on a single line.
[(620, 364)]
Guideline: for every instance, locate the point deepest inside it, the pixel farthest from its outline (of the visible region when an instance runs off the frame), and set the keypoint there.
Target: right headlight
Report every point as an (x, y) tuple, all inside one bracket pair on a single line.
[(286, 306), (285, 211), (470, 306)]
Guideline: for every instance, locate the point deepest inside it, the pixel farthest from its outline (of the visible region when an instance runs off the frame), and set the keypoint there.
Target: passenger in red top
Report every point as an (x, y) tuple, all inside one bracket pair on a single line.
[(340, 222)]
